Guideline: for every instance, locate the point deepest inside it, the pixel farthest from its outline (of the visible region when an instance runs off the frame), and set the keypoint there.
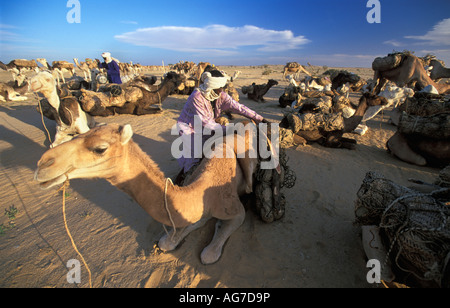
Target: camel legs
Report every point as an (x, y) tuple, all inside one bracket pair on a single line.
[(170, 241), (212, 252), (60, 73), (398, 145), (224, 228), (16, 97)]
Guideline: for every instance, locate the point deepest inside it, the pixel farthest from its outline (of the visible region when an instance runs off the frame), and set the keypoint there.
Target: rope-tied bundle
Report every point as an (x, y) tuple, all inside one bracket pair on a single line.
[(414, 226)]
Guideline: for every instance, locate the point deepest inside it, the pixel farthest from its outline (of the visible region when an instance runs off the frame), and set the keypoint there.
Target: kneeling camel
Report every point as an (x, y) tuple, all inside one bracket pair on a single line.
[(213, 190)]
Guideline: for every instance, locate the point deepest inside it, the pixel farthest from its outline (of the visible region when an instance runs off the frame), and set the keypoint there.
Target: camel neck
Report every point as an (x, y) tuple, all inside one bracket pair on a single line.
[(146, 183), (267, 87), (165, 89), (351, 123), (53, 98)]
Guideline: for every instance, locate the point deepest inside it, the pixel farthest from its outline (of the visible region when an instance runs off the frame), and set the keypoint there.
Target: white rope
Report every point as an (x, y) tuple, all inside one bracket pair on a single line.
[(167, 209)]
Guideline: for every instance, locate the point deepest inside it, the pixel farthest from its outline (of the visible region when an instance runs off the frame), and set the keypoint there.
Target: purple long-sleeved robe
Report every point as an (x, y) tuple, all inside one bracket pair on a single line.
[(113, 72), (198, 105)]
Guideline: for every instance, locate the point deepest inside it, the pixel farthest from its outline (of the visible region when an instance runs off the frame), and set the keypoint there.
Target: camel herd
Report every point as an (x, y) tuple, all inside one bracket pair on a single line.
[(214, 188)]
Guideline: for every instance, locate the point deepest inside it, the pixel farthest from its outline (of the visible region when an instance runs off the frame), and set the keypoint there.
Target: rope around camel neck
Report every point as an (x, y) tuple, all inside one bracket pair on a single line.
[(167, 209)]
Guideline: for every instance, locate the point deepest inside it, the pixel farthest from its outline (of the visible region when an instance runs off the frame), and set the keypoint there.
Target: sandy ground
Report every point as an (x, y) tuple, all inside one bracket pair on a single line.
[(314, 245)]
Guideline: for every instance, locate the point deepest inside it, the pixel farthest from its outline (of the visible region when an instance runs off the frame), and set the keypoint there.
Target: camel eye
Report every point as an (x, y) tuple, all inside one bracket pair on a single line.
[(99, 150)]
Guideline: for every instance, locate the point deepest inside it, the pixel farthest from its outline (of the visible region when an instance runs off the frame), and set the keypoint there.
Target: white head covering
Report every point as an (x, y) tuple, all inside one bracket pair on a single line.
[(107, 57), (211, 83)]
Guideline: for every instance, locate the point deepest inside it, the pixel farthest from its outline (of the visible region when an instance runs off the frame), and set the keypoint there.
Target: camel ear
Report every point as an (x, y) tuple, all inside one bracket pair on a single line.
[(126, 134)]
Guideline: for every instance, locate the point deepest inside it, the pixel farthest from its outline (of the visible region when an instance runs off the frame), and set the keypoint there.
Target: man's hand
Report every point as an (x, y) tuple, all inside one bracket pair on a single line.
[(265, 121)]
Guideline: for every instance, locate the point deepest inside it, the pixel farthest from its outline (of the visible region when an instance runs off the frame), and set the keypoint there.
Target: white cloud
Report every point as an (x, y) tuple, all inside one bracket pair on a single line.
[(5, 26), (128, 22), (439, 35), (213, 38), (394, 43)]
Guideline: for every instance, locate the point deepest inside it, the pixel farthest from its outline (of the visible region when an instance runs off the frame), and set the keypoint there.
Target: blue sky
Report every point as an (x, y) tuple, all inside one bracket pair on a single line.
[(324, 32)]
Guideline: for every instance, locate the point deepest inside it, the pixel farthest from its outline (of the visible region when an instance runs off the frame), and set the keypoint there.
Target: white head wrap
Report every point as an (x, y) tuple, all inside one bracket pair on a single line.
[(211, 83), (107, 57)]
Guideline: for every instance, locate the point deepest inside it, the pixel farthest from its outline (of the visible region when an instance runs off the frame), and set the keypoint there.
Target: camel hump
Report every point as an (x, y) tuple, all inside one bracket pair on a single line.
[(387, 63)]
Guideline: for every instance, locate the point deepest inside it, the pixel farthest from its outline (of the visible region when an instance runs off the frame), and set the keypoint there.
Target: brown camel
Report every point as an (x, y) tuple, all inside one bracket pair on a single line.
[(109, 152), (256, 92), (130, 99), (419, 150), (410, 71), (294, 67), (198, 71), (334, 138)]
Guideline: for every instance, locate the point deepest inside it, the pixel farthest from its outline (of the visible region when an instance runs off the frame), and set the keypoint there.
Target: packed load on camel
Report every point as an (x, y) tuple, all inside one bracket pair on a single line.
[(406, 230), (341, 77), (136, 97), (328, 128), (269, 197), (389, 62), (423, 133), (404, 69)]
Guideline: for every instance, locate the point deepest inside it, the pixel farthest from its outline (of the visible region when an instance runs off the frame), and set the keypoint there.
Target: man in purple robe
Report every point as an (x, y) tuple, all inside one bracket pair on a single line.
[(206, 104), (112, 68)]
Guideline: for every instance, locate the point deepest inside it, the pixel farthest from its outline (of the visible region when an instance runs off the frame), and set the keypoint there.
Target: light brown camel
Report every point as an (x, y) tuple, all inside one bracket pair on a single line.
[(198, 71), (14, 90), (410, 71), (19, 66), (84, 67), (56, 72), (212, 191), (294, 67), (438, 71), (9, 93)]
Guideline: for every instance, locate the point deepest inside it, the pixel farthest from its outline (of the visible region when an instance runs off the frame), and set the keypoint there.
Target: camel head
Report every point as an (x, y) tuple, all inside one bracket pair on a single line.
[(95, 154), (42, 61), (374, 100), (272, 82), (177, 79), (43, 82)]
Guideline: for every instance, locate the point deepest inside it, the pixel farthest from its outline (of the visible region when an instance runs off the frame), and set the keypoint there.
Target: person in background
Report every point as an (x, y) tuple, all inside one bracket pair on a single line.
[(112, 68)]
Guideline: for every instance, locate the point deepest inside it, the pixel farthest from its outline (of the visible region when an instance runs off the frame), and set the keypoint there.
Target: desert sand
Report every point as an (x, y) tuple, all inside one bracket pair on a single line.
[(315, 244)]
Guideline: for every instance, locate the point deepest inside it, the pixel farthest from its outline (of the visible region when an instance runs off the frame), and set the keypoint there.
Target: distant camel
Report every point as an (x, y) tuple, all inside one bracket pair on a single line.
[(19, 66), (294, 67), (256, 92)]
